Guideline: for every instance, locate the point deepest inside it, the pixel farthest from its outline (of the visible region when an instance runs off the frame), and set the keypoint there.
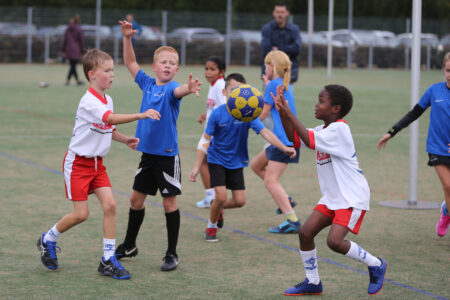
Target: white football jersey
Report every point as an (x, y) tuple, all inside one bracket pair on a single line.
[(342, 182), (215, 97), (91, 134)]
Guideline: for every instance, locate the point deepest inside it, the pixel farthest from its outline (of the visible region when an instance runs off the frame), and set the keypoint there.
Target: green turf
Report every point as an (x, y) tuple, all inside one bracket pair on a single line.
[(36, 125)]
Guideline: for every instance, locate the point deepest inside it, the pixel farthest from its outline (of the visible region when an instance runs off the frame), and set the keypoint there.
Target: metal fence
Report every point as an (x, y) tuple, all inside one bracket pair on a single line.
[(25, 46)]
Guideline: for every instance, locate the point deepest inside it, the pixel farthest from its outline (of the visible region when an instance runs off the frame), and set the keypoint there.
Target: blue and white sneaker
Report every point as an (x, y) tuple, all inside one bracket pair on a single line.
[(48, 253), (304, 288), (112, 267), (377, 277), (204, 203), (286, 227), (291, 201)]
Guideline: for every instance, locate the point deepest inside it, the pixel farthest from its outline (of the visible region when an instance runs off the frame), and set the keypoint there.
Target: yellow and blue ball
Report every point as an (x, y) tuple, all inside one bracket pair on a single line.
[(245, 103)]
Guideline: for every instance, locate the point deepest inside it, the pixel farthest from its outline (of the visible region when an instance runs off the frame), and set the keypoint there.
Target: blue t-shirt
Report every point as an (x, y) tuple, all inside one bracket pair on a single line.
[(438, 97), (278, 129), (229, 146), (158, 137)]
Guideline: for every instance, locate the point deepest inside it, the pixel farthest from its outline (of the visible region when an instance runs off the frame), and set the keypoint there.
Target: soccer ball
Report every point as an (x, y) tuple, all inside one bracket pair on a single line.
[(245, 103)]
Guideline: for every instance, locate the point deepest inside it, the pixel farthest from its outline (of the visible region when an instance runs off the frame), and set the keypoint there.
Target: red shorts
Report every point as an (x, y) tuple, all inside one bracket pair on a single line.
[(83, 175), (348, 217)]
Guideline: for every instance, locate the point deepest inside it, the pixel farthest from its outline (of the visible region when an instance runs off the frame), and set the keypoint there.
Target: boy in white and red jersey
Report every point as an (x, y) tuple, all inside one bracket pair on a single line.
[(345, 192), (84, 172)]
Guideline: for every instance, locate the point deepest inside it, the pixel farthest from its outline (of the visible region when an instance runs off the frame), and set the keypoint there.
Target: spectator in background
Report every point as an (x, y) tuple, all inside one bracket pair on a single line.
[(279, 34), (136, 26), (73, 47)]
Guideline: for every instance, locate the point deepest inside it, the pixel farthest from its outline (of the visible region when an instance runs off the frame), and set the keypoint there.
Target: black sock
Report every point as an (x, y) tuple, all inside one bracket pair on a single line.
[(173, 228), (135, 219)]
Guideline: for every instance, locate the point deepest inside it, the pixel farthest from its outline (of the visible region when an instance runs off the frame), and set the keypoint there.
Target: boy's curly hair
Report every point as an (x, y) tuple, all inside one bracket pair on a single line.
[(340, 95)]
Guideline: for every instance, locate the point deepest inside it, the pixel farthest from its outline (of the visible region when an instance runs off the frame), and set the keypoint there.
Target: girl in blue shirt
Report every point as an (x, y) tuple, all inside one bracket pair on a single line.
[(270, 163), (437, 97)]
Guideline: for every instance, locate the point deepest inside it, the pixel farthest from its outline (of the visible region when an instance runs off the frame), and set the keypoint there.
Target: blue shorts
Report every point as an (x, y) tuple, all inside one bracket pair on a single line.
[(275, 154)]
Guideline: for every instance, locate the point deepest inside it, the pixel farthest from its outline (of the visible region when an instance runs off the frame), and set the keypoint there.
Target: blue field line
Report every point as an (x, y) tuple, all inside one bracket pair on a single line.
[(256, 237)]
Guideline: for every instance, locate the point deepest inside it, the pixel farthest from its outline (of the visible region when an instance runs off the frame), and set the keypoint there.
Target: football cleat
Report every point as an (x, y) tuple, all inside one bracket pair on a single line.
[(170, 262), (48, 253), (304, 288), (122, 251), (220, 221), (113, 268), (211, 235), (377, 277), (286, 227), (291, 201), (204, 203), (444, 222)]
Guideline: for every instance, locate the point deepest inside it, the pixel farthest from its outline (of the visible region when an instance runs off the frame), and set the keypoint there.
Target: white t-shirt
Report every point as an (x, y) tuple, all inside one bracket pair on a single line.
[(342, 182), (91, 134), (215, 97)]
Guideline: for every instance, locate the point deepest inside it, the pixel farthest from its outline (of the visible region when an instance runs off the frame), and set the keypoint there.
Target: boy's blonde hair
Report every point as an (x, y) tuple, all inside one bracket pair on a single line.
[(164, 48), (92, 59), (281, 64), (446, 59)]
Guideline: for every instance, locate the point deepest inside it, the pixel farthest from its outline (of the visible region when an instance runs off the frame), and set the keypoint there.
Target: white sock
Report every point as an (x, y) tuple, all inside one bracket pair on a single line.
[(210, 193), (358, 253), (109, 246), (310, 264), (211, 225), (52, 235)]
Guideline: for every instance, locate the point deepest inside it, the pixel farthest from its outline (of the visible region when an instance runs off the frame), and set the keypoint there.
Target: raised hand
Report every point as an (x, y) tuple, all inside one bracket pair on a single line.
[(281, 103), (127, 28), (194, 85)]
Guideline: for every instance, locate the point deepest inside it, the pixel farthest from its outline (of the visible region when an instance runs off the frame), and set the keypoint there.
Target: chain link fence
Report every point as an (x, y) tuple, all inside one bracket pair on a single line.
[(41, 42)]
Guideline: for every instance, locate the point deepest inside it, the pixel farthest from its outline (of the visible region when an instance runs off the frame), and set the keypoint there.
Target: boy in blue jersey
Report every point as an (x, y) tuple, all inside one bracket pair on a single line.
[(437, 97), (228, 155), (160, 164)]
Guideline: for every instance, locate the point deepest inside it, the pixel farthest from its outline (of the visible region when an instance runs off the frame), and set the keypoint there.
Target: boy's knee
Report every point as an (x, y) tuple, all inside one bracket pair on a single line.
[(240, 203), (304, 235), (136, 204), (334, 244), (110, 207), (81, 216)]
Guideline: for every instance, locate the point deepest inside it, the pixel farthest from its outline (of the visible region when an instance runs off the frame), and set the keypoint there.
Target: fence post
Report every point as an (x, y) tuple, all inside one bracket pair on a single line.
[(183, 51), (370, 56), (164, 28), (247, 53), (428, 57), (29, 37), (228, 34), (310, 31), (116, 48), (408, 22), (47, 48)]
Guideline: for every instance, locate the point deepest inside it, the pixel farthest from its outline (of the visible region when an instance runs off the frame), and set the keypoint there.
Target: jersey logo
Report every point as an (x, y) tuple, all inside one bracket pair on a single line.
[(159, 94), (223, 125), (210, 102), (438, 100), (102, 126), (322, 158)]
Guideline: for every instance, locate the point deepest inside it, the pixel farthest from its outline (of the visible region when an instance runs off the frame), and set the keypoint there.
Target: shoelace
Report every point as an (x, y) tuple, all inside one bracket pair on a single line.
[(116, 263), (301, 284), (53, 249)]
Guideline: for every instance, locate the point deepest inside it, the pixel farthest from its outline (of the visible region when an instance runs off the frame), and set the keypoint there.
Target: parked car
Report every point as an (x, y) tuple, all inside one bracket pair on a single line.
[(51, 31), (196, 33), (15, 29), (445, 40), (148, 32), (426, 39), (361, 38), (246, 36)]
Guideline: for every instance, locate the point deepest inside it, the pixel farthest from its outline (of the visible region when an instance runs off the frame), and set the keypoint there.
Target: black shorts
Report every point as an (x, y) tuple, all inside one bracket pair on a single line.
[(275, 154), (158, 172), (232, 179), (435, 160)]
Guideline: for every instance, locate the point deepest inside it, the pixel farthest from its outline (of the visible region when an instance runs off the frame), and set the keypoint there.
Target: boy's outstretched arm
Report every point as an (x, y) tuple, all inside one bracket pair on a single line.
[(131, 142), (288, 118), (198, 160), (271, 138), (115, 119), (129, 58), (193, 86)]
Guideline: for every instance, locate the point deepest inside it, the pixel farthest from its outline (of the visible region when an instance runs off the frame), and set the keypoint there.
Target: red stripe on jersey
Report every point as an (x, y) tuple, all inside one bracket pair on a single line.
[(97, 95), (296, 140), (105, 116), (342, 120), (312, 141), (212, 84)]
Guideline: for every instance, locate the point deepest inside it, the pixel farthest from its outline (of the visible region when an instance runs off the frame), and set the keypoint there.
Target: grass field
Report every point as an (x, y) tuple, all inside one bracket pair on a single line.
[(248, 262)]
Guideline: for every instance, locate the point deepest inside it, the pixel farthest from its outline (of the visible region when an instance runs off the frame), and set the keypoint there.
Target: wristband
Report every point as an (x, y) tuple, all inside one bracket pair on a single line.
[(392, 131)]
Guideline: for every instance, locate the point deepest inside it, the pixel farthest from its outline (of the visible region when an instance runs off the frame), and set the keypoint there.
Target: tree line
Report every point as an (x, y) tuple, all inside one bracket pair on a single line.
[(431, 9)]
